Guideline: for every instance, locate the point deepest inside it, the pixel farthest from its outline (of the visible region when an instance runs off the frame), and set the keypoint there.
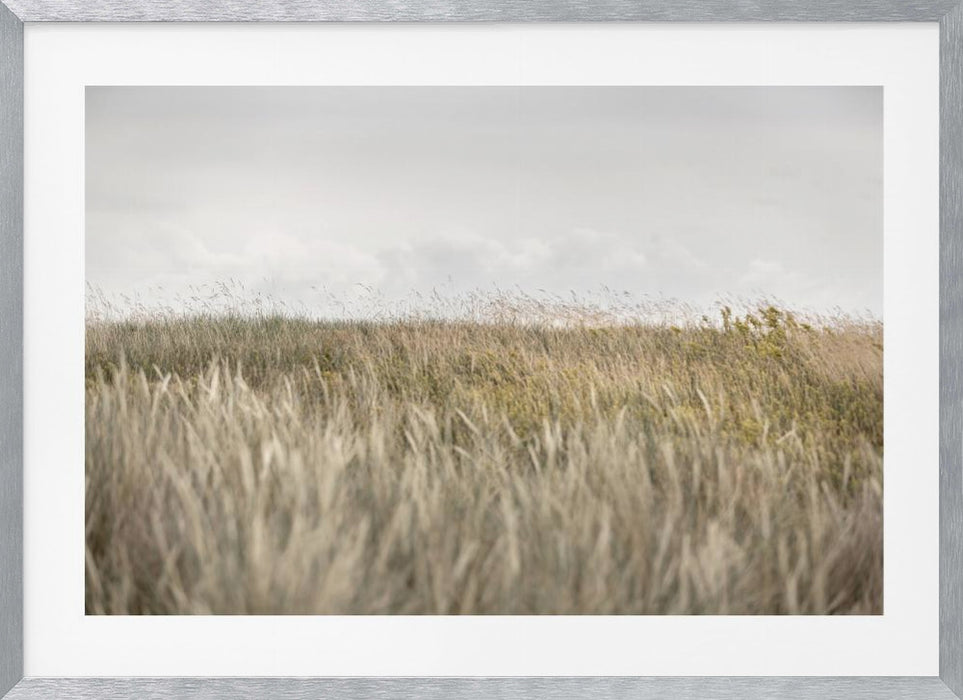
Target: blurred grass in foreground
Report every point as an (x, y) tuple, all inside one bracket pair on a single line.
[(271, 465)]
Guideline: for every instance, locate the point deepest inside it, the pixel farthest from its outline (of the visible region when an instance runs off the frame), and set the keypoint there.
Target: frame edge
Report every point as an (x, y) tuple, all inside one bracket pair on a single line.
[(951, 349), (480, 10), (721, 687), (11, 349)]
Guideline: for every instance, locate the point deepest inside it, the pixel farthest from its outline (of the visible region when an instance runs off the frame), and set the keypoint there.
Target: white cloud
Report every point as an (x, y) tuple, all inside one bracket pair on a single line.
[(690, 193)]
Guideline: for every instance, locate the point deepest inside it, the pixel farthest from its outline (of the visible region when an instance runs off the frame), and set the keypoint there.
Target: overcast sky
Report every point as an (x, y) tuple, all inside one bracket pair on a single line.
[(689, 193)]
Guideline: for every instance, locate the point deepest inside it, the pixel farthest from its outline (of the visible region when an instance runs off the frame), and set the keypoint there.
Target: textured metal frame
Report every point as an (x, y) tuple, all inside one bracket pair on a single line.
[(949, 14)]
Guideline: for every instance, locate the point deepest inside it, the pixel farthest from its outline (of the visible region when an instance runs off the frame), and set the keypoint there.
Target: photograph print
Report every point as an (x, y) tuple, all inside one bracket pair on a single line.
[(484, 350)]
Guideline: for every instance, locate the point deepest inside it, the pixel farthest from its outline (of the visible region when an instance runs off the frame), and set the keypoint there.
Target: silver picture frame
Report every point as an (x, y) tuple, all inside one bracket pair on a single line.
[(949, 14)]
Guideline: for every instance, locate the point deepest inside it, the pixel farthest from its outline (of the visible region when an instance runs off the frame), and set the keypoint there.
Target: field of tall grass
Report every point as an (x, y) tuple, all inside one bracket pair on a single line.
[(268, 465)]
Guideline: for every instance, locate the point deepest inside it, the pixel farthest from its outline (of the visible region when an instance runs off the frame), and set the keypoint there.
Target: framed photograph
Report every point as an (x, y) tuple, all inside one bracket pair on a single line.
[(483, 350)]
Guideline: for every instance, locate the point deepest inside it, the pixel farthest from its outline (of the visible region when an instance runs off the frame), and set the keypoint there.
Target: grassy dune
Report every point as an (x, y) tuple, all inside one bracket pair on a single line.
[(275, 465)]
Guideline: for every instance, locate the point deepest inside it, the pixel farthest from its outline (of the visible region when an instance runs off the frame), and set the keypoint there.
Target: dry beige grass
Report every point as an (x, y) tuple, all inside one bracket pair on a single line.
[(281, 466)]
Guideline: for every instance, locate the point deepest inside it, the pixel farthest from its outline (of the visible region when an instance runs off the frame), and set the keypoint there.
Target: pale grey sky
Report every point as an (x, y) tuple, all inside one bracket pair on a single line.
[(691, 193)]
